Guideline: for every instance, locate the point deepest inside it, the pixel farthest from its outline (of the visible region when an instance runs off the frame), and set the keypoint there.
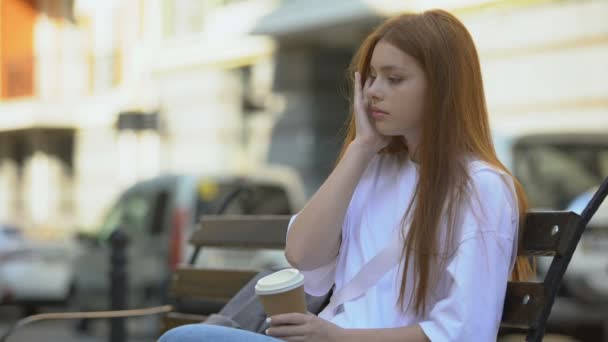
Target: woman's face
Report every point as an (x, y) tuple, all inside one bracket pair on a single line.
[(396, 91)]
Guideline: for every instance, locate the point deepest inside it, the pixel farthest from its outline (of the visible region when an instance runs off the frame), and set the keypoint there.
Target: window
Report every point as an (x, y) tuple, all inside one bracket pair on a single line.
[(553, 174), (188, 16), (159, 214), (130, 213), (250, 199), (135, 213), (182, 17)]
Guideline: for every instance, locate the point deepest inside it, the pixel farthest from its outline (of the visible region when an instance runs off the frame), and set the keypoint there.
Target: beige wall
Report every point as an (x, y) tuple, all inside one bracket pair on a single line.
[(545, 59)]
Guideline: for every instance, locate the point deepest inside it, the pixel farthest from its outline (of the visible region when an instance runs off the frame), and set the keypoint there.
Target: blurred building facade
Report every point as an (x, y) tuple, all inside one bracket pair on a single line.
[(95, 95), (38, 136)]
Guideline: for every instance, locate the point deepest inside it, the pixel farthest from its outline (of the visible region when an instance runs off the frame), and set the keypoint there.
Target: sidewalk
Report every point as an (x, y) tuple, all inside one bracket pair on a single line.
[(63, 330)]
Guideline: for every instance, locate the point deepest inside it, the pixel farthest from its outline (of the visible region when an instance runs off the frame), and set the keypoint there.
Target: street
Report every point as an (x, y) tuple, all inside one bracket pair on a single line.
[(63, 330)]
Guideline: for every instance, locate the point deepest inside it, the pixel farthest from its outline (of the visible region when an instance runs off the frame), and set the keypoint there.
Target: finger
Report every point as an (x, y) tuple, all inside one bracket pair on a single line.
[(295, 339), (367, 84), (366, 96), (357, 90), (289, 318), (287, 331)]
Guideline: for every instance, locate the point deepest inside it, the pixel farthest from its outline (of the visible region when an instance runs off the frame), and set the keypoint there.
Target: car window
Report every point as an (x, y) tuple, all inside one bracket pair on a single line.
[(603, 162), (135, 214), (111, 221), (130, 213), (269, 199), (554, 174), (159, 213), (236, 198)]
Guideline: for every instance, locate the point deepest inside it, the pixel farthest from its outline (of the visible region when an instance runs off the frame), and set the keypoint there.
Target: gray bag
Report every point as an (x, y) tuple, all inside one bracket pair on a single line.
[(245, 311)]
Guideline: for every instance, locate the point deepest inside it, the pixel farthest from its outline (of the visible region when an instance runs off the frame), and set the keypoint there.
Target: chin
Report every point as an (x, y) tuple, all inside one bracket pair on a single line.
[(387, 131)]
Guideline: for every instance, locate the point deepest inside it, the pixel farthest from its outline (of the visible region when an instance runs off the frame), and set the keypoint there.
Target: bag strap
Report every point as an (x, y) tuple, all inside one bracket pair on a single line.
[(368, 275)]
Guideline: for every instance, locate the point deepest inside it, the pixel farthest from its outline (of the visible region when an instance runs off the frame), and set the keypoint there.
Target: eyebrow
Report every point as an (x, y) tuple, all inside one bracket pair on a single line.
[(388, 67)]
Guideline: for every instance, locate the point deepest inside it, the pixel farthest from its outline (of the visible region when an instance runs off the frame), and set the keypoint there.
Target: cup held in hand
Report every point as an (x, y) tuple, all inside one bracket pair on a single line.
[(282, 292)]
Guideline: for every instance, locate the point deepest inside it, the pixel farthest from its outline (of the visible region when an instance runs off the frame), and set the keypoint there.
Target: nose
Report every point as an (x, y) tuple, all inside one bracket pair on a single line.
[(374, 92)]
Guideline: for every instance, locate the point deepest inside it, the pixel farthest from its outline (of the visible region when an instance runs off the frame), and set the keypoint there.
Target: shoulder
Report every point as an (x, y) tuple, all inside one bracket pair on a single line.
[(491, 191), (488, 179), (484, 170)]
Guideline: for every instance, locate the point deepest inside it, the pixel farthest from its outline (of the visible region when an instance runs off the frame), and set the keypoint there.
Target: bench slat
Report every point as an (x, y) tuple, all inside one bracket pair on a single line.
[(523, 302), (242, 231), (540, 236), (208, 283)]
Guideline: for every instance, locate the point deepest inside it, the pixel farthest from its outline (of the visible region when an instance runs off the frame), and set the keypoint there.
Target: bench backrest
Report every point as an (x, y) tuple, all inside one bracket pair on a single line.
[(243, 231), (528, 304), (191, 283)]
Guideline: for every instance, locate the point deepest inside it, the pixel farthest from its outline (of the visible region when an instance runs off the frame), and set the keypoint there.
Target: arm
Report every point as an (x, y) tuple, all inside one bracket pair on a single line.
[(314, 239)]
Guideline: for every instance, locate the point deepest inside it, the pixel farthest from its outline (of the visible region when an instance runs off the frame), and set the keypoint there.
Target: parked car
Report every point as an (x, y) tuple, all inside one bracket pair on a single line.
[(558, 162), (160, 214), (34, 273), (11, 239), (588, 270)]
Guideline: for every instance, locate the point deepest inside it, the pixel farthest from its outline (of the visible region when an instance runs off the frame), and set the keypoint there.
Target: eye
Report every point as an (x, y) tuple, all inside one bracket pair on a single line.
[(395, 80)]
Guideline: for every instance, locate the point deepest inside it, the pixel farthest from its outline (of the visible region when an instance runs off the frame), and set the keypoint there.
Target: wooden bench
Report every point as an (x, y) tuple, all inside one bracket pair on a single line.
[(198, 290), (527, 304)]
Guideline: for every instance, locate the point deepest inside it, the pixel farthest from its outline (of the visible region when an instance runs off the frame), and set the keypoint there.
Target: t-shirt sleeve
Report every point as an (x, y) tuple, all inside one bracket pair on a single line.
[(319, 281), (478, 273)]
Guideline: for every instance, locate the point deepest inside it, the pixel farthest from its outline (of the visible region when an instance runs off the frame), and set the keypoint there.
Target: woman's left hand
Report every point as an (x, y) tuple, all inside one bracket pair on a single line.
[(303, 328)]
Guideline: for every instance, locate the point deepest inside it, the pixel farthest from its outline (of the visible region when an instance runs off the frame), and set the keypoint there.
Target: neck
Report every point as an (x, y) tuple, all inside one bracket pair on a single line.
[(413, 141)]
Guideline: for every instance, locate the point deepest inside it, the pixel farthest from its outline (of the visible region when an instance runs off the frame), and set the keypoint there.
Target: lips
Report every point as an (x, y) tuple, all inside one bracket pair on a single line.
[(378, 110), (377, 113)]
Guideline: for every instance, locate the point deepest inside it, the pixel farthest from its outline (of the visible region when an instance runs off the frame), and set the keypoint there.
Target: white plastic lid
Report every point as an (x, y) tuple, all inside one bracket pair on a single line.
[(280, 281)]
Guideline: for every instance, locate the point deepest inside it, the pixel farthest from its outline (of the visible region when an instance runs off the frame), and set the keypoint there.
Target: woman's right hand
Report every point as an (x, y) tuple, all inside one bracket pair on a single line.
[(367, 136)]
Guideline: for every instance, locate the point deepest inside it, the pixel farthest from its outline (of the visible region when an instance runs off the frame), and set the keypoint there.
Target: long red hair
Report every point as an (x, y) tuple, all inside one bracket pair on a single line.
[(455, 124)]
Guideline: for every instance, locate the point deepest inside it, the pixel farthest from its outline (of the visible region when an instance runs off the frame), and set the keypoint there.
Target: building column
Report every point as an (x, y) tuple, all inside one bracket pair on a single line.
[(44, 182), (309, 133), (36, 179), (8, 178), (138, 146)]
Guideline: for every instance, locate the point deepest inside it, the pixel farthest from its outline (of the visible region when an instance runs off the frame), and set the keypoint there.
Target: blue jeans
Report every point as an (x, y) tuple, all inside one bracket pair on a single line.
[(212, 333)]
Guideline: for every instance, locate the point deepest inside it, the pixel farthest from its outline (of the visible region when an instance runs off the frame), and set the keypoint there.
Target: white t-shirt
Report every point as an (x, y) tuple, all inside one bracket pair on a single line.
[(468, 301)]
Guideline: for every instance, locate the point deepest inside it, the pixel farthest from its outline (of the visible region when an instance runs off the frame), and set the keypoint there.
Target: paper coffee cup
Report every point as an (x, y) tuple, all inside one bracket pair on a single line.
[(282, 292)]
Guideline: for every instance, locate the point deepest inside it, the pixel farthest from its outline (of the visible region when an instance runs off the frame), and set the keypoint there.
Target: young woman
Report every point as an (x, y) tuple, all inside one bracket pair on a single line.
[(418, 165)]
